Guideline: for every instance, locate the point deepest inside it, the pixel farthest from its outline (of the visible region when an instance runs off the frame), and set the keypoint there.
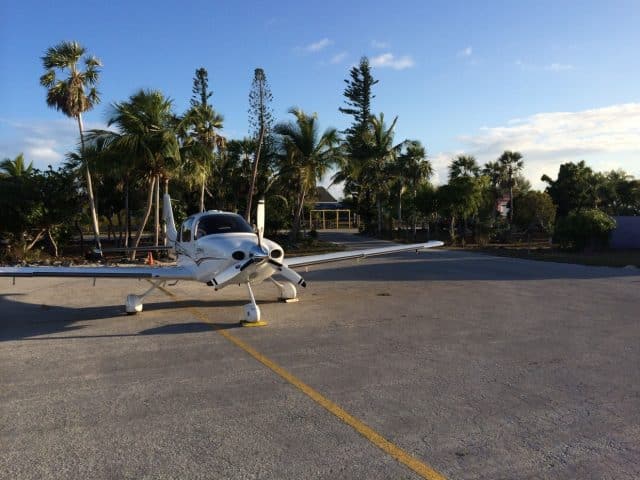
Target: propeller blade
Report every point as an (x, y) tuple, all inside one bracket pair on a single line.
[(228, 274), (289, 274), (260, 220)]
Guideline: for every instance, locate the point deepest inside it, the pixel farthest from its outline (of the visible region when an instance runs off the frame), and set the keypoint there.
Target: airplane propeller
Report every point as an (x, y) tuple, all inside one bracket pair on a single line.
[(288, 273), (257, 256), (260, 221)]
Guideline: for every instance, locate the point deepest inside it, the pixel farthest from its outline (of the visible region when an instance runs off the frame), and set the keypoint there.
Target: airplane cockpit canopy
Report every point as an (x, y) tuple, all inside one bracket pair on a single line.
[(215, 223)]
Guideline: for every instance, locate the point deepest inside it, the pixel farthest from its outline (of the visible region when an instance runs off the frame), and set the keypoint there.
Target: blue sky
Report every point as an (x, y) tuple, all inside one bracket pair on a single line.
[(557, 81)]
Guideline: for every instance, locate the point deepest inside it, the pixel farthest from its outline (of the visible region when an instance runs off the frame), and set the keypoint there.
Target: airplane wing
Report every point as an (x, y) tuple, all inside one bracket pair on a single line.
[(354, 254), (170, 273)]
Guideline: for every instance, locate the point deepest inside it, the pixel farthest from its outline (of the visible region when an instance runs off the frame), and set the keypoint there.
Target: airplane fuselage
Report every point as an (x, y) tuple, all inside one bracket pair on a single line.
[(221, 248), (210, 256)]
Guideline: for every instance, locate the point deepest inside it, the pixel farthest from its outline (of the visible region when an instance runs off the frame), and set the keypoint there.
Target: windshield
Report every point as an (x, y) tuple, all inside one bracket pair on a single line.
[(222, 223)]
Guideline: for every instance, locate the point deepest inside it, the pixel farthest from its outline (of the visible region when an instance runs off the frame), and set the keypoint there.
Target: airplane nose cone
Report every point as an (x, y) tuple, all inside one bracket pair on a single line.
[(258, 253)]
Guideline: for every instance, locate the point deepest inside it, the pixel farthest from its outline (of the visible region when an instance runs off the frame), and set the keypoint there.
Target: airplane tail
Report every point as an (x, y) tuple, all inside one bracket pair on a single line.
[(167, 213)]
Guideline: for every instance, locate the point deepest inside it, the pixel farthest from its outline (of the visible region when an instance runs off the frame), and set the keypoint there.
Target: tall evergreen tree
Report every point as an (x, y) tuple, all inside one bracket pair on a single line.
[(260, 123), (200, 89), (358, 95), (199, 130), (357, 163)]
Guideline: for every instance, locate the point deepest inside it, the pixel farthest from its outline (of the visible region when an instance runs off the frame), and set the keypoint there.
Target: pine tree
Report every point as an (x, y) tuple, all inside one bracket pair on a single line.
[(201, 93), (260, 123), (358, 94), (357, 163)]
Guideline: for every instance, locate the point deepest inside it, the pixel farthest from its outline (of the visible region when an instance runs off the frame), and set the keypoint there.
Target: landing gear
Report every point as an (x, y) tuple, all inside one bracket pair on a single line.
[(133, 304), (287, 290), (250, 316)]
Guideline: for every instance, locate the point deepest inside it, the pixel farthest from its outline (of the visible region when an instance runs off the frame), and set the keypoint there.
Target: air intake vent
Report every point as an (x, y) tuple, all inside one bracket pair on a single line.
[(238, 255), (276, 253)]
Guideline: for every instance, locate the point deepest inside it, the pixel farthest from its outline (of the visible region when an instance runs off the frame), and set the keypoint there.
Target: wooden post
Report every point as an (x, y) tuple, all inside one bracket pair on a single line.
[(324, 225), (337, 219)]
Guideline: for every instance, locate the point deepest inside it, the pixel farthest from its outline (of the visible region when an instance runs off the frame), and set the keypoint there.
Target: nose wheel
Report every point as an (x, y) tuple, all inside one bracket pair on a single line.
[(250, 316)]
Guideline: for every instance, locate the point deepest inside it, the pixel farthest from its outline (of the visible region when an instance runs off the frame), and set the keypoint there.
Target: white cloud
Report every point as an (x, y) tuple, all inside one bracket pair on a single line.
[(552, 67), (559, 67), (316, 46), (523, 65), (388, 60), (42, 142), (440, 164), (606, 138), (465, 52), (338, 57), (380, 45)]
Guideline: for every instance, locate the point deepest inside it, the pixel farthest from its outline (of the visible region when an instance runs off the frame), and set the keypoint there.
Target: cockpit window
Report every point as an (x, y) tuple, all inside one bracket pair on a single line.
[(222, 223)]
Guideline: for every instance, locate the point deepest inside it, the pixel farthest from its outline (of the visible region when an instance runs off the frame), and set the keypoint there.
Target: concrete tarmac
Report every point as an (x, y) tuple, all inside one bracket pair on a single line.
[(480, 367)]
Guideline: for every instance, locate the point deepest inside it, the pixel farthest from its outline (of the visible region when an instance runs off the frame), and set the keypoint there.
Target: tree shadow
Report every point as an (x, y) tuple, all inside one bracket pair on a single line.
[(446, 265)]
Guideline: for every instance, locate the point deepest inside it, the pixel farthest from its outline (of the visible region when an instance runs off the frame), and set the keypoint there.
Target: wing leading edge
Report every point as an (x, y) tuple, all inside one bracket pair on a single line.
[(170, 273), (354, 254)]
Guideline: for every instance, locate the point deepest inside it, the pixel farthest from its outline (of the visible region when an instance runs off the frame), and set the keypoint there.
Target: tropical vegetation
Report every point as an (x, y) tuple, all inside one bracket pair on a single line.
[(114, 178)]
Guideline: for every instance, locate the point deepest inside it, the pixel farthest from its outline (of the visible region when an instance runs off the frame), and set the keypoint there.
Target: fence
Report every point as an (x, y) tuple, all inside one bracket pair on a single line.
[(332, 219)]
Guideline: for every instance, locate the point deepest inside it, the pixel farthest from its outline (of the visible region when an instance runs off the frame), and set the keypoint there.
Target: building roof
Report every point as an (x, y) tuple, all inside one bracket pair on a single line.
[(323, 196)]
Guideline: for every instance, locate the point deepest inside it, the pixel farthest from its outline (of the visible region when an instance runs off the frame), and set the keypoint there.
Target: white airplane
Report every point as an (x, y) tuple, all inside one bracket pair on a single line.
[(219, 249)]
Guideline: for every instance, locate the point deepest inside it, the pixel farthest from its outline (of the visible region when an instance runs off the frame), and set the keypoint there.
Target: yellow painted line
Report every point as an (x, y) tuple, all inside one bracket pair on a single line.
[(419, 467)]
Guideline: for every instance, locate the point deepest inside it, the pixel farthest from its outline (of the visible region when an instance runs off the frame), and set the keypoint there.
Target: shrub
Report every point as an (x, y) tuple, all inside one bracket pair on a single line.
[(584, 228)]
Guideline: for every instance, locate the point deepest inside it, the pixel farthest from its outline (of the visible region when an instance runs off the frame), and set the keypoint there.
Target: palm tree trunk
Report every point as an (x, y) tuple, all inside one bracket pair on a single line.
[(399, 210), (110, 229), (452, 229), (204, 179), (297, 215), (414, 216), (147, 214), (379, 208), (156, 232), (53, 243), (510, 204), (92, 203), (35, 240), (164, 224), (127, 214), (254, 174), (120, 227)]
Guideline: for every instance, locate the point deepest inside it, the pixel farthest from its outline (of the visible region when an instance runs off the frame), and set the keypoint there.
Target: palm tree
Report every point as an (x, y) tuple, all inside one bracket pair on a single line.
[(381, 153), (512, 163), (463, 166), (464, 182), (16, 167), (412, 168), (147, 137), (306, 156), (234, 174), (73, 96), (350, 172), (496, 173), (199, 130)]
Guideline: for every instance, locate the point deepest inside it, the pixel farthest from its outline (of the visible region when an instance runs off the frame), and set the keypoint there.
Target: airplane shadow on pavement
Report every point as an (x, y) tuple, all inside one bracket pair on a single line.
[(21, 320)]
